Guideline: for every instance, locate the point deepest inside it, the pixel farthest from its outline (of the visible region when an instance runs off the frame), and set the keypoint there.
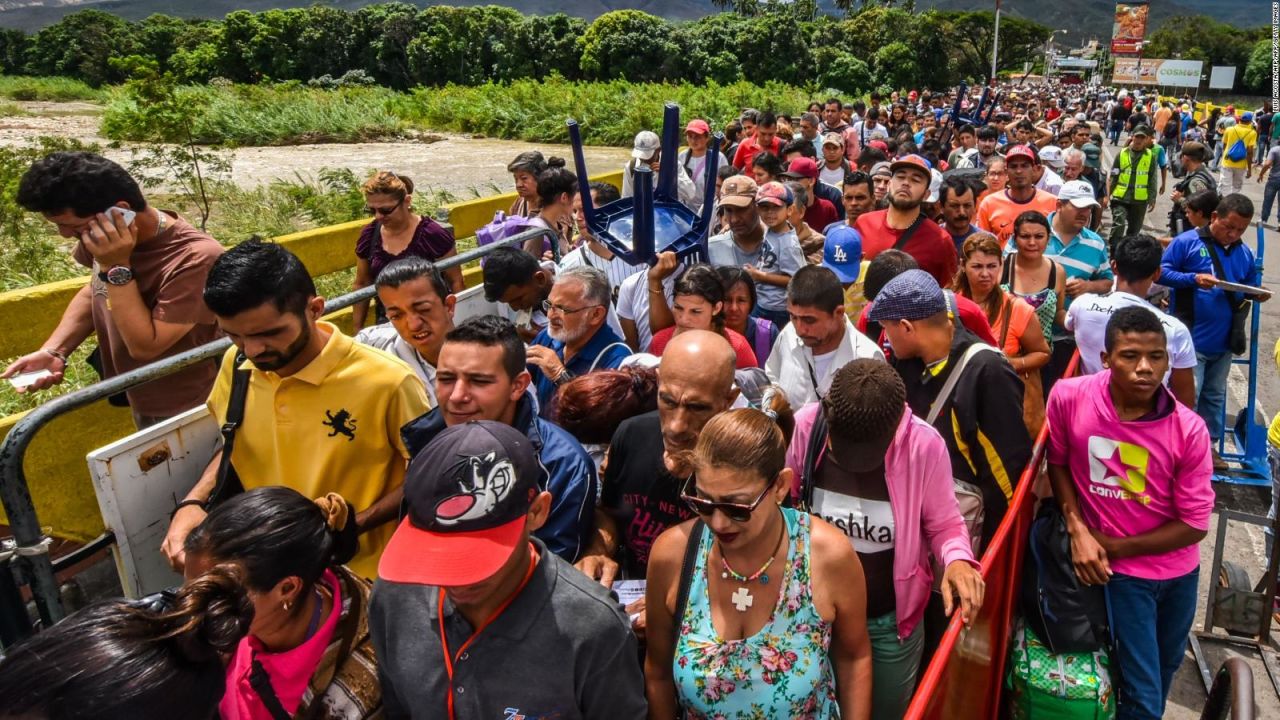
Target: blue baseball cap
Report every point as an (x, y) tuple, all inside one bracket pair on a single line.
[(842, 252), (913, 295)]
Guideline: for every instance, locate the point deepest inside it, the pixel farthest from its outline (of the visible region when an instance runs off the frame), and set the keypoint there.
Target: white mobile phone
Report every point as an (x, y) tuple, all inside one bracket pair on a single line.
[(22, 381), (128, 215)]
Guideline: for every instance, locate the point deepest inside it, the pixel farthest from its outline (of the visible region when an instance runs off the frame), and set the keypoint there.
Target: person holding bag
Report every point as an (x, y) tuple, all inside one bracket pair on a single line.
[(308, 652), (754, 609), (878, 473), (1193, 265)]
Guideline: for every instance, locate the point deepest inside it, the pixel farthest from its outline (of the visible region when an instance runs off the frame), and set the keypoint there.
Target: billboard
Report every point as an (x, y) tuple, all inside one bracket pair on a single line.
[(1154, 71), (1129, 28), (1222, 77)]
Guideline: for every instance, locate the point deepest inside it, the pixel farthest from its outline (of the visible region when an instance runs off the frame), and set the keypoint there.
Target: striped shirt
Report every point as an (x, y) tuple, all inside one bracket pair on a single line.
[(616, 269), (1085, 257)]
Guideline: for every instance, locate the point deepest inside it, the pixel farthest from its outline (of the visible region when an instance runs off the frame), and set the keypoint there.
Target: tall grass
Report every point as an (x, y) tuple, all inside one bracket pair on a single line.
[(610, 113), (51, 89), (284, 114)]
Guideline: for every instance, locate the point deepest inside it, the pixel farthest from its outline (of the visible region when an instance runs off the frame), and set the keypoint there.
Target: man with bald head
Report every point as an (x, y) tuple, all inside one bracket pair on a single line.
[(644, 473)]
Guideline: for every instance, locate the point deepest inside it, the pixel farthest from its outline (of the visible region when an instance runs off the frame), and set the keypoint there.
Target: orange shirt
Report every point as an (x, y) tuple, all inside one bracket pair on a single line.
[(997, 211)]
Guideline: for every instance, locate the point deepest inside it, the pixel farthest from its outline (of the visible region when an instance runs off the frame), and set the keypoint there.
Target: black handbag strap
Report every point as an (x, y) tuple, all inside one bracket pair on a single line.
[(911, 230), (686, 578), (817, 442), (261, 684), (1236, 299), (235, 416)]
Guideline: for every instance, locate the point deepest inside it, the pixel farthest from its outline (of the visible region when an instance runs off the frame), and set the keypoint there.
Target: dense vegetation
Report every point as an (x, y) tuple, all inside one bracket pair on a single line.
[(401, 46)]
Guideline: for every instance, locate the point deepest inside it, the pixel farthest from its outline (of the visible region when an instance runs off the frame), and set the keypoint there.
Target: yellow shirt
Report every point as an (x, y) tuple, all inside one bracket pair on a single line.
[(854, 298), (333, 426), (1239, 131)]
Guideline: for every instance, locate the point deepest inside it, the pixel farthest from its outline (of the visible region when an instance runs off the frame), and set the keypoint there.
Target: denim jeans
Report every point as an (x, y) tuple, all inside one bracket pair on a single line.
[(1211, 390), (1269, 192), (1150, 620), (1273, 459)]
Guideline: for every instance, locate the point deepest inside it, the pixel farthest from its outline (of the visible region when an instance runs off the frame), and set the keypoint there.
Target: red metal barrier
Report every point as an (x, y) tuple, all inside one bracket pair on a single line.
[(966, 677)]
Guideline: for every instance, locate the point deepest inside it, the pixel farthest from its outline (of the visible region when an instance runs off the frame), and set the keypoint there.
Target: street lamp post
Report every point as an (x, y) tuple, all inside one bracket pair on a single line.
[(995, 44)]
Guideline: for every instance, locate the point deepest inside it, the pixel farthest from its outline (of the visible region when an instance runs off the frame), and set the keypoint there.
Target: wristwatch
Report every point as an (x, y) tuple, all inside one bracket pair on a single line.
[(116, 275)]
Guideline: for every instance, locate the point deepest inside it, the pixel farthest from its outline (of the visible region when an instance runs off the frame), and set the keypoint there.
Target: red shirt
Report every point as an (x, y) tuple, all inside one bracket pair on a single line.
[(741, 348), (747, 150), (931, 246), (820, 214)]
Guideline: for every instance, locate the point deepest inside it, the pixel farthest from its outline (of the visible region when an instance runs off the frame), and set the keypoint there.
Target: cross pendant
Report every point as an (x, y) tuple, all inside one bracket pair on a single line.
[(741, 599)]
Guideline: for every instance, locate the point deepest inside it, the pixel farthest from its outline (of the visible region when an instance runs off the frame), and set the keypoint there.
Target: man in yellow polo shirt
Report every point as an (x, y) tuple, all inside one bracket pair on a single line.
[(322, 413), (1238, 144)]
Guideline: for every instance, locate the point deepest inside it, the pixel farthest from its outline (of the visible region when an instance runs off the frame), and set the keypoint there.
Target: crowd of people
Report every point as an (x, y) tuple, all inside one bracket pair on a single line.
[(749, 482)]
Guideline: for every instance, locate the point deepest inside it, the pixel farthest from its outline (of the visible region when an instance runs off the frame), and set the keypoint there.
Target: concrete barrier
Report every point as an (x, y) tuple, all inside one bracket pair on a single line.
[(55, 463)]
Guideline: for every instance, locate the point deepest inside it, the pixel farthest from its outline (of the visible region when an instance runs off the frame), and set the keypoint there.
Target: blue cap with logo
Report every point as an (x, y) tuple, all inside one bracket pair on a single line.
[(913, 295), (842, 253)]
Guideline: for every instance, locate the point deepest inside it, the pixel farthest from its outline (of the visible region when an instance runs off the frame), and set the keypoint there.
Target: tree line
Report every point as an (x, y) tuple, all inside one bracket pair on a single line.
[(401, 46)]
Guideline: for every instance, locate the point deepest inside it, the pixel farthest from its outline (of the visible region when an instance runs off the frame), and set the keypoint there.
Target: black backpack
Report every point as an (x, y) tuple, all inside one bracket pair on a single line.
[(1067, 616)]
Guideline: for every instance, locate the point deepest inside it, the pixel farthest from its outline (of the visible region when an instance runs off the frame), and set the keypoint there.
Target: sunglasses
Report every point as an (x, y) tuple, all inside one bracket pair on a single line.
[(384, 210), (736, 512)]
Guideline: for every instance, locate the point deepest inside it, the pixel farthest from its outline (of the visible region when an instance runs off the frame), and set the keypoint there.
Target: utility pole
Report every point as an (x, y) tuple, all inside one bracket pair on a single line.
[(995, 45)]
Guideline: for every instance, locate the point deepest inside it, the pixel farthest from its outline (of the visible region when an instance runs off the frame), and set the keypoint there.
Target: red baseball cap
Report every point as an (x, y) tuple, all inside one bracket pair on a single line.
[(880, 145), (468, 493), (1022, 151), (802, 167), (698, 126)]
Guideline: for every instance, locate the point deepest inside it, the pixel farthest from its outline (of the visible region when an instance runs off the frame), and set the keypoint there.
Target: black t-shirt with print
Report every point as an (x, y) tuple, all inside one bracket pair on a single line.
[(639, 493), (857, 504)]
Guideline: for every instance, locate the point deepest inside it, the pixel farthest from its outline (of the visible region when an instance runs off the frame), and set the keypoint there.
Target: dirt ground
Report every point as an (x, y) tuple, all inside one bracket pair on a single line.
[(462, 165)]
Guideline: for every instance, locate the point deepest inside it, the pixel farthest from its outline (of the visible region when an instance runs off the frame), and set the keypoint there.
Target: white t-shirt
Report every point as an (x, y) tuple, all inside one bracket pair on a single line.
[(832, 177), (1087, 318), (867, 523), (1050, 181), (822, 363), (538, 318), (633, 301)]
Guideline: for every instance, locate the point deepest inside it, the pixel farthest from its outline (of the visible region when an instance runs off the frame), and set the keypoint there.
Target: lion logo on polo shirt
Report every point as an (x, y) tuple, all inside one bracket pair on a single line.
[(341, 423)]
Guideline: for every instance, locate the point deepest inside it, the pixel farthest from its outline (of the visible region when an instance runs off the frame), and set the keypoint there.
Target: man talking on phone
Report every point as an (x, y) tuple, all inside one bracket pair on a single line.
[(144, 297)]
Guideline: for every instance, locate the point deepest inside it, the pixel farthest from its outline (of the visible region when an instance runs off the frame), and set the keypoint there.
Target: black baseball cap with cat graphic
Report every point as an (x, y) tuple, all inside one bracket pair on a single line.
[(467, 492)]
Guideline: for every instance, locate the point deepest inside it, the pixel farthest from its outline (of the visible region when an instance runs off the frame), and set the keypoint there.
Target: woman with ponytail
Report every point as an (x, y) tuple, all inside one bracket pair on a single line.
[(307, 653), (120, 659)]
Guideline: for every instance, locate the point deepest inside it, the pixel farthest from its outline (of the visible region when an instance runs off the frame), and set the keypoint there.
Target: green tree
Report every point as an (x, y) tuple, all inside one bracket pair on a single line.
[(1202, 38), (460, 45), (81, 45), (894, 66), (540, 46), (1257, 73), (385, 32), (630, 44), (712, 46), (842, 71), (773, 50), (13, 51), (969, 35)]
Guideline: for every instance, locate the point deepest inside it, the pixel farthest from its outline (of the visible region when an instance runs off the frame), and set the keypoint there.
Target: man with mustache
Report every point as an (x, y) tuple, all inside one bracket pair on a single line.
[(322, 412)]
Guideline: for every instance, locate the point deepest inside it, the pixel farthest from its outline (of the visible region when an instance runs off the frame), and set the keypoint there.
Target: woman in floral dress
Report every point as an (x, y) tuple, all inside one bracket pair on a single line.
[(775, 620)]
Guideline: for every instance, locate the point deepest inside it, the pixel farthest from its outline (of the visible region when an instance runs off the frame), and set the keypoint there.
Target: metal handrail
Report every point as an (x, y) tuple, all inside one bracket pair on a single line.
[(1232, 693), (29, 559)]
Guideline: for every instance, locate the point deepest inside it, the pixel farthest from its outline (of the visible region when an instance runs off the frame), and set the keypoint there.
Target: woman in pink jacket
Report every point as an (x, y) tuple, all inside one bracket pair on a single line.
[(883, 477)]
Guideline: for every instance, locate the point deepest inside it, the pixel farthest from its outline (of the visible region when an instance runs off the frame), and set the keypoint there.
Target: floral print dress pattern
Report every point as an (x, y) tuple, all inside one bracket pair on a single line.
[(782, 671)]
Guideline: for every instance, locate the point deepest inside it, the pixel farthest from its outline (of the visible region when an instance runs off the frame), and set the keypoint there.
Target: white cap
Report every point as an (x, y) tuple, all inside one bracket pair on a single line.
[(935, 186), (1078, 193), (647, 143), (1051, 155), (1081, 117)]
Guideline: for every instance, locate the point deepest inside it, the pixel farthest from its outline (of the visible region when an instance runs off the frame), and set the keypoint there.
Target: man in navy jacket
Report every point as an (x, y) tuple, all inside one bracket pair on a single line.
[(1189, 268), (481, 375)]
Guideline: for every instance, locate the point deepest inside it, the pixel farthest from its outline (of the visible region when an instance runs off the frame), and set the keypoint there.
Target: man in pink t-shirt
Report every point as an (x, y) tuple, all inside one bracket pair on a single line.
[(1130, 467)]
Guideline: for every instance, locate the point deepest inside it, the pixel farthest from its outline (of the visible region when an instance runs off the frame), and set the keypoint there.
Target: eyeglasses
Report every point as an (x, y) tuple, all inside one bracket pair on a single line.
[(736, 512), (547, 307), (383, 210)]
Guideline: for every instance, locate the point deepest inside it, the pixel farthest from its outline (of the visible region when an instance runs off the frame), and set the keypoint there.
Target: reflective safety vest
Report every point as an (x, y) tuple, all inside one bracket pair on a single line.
[(1139, 175)]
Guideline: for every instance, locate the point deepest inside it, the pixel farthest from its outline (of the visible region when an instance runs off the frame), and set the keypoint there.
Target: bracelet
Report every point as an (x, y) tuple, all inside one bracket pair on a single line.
[(202, 504), (563, 377), (659, 291), (57, 354)]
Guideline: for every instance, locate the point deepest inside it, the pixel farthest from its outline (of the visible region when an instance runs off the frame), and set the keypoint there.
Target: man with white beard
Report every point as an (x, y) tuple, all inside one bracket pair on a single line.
[(577, 338)]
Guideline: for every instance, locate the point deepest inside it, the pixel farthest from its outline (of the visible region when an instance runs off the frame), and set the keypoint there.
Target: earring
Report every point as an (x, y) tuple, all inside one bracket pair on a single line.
[(286, 605)]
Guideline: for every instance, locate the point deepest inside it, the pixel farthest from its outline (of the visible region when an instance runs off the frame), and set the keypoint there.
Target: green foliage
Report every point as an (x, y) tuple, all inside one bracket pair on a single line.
[(460, 45), (281, 114), (971, 36), (49, 89), (844, 72), (1201, 38), (81, 45), (630, 44), (611, 113), (1257, 74), (894, 66)]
